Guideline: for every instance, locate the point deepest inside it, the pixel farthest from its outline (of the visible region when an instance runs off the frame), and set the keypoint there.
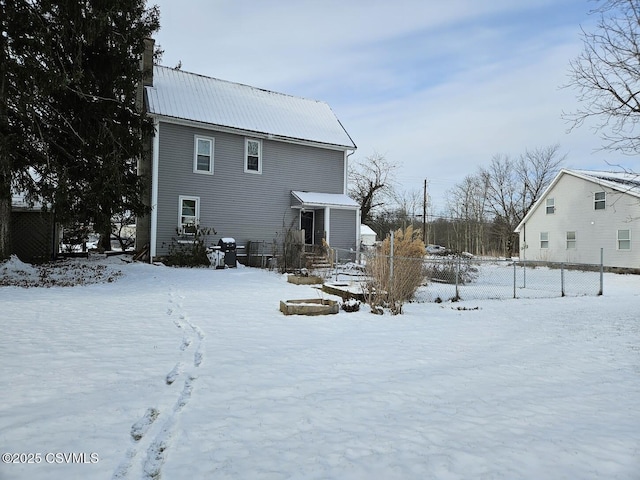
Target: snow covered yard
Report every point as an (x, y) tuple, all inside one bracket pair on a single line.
[(194, 373)]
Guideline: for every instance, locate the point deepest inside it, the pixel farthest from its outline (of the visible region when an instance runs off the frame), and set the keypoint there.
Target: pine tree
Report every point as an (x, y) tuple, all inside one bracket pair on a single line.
[(82, 133)]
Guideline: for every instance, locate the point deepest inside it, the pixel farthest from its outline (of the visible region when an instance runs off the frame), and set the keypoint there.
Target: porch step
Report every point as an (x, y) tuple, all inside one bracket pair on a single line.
[(317, 262)]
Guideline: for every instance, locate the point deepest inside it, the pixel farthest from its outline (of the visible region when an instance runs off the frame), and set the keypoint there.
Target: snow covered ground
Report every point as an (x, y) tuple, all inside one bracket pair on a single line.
[(170, 373)]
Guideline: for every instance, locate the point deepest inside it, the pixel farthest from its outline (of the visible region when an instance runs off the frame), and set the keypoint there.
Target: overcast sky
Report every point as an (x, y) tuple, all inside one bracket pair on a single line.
[(437, 87)]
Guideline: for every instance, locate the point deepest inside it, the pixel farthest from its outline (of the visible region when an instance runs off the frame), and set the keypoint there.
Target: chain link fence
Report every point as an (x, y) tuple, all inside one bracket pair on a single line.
[(452, 278)]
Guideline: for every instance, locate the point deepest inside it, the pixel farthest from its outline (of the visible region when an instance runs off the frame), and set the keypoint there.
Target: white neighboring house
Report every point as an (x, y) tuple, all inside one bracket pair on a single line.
[(582, 212)]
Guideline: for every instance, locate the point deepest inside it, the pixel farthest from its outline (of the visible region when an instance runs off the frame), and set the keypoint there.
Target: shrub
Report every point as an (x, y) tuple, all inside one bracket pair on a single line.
[(393, 280), (190, 252)]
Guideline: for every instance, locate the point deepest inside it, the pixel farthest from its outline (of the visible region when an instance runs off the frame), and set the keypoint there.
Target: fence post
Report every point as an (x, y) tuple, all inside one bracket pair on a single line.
[(562, 279), (601, 271), (514, 280), (391, 265), (457, 279)]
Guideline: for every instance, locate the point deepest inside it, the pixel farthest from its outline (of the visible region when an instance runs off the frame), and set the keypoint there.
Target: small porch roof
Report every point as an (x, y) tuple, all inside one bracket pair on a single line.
[(316, 199)]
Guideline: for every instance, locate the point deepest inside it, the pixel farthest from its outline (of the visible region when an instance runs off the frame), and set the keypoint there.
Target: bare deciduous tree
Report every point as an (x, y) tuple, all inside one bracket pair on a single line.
[(372, 182), (500, 194), (467, 205), (607, 75)]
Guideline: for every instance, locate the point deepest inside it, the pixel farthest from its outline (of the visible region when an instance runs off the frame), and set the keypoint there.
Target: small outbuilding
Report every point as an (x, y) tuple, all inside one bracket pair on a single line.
[(367, 236), (34, 236)]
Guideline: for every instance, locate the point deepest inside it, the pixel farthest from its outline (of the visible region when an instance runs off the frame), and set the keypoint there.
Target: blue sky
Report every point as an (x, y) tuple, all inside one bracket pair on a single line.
[(436, 87)]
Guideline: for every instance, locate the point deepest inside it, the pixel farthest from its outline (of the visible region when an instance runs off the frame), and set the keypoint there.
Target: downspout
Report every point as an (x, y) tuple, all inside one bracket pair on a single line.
[(358, 241), (154, 189)]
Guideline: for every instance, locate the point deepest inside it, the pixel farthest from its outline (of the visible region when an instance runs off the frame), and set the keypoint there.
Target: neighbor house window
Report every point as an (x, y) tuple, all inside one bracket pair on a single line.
[(551, 205), (188, 215), (544, 239), (571, 240), (252, 156), (624, 239), (203, 155), (599, 200)]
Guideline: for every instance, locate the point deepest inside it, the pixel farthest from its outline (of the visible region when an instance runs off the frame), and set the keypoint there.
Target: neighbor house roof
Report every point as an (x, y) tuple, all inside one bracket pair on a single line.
[(624, 182), (187, 96), (317, 199)]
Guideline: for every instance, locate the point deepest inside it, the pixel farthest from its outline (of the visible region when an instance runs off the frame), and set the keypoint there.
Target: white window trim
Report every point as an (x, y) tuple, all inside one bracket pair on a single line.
[(181, 198), (246, 156), (624, 240), (574, 240), (195, 154), (544, 240), (596, 201), (551, 205)]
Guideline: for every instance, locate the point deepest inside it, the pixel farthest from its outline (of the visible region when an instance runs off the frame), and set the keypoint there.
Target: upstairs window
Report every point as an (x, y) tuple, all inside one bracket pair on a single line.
[(624, 239), (544, 239), (203, 155), (571, 240), (551, 206), (252, 156), (599, 200), (188, 215)]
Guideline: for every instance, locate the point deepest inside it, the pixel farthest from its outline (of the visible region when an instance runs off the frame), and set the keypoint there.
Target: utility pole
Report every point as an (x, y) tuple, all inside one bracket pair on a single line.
[(424, 214)]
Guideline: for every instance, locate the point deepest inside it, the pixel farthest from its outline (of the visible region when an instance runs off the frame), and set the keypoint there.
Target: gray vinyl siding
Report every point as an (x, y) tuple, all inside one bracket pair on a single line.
[(342, 233), (245, 206)]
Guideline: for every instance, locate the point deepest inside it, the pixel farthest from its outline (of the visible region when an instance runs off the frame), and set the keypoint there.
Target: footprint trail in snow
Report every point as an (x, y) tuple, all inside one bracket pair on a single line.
[(149, 435)]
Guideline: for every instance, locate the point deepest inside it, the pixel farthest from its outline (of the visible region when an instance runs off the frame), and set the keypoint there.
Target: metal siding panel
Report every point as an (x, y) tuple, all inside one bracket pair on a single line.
[(245, 206)]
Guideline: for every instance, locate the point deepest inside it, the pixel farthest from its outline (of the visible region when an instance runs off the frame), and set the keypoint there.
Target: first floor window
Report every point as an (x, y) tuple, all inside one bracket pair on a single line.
[(624, 239), (253, 156), (551, 205), (544, 239), (571, 240), (189, 213), (203, 155), (599, 200)]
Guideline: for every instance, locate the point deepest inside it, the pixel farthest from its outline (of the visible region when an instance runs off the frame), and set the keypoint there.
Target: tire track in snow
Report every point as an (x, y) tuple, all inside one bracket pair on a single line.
[(155, 440)]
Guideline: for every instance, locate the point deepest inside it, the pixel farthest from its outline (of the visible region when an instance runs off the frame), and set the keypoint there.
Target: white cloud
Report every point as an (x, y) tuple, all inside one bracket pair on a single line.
[(440, 87)]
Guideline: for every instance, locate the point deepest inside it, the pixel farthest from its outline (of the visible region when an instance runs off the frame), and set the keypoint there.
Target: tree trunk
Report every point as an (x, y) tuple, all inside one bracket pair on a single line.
[(5, 220), (5, 160)]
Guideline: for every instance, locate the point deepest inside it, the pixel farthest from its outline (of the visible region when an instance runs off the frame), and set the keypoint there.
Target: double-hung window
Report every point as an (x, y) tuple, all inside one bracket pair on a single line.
[(551, 206), (624, 239), (544, 239), (252, 156), (571, 240), (599, 200), (188, 215), (203, 155)]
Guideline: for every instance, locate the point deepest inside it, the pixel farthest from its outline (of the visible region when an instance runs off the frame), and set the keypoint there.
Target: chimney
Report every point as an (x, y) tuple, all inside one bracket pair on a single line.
[(147, 62), (146, 68)]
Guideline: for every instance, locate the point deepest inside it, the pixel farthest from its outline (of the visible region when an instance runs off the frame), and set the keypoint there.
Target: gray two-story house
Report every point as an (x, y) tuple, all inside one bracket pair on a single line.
[(249, 163)]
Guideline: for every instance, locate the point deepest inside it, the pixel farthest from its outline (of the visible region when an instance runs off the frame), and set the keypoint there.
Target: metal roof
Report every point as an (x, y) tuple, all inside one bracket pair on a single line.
[(188, 96), (317, 199), (624, 182)]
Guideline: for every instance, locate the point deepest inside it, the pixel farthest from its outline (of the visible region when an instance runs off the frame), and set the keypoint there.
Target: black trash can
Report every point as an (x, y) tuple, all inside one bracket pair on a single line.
[(229, 248)]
